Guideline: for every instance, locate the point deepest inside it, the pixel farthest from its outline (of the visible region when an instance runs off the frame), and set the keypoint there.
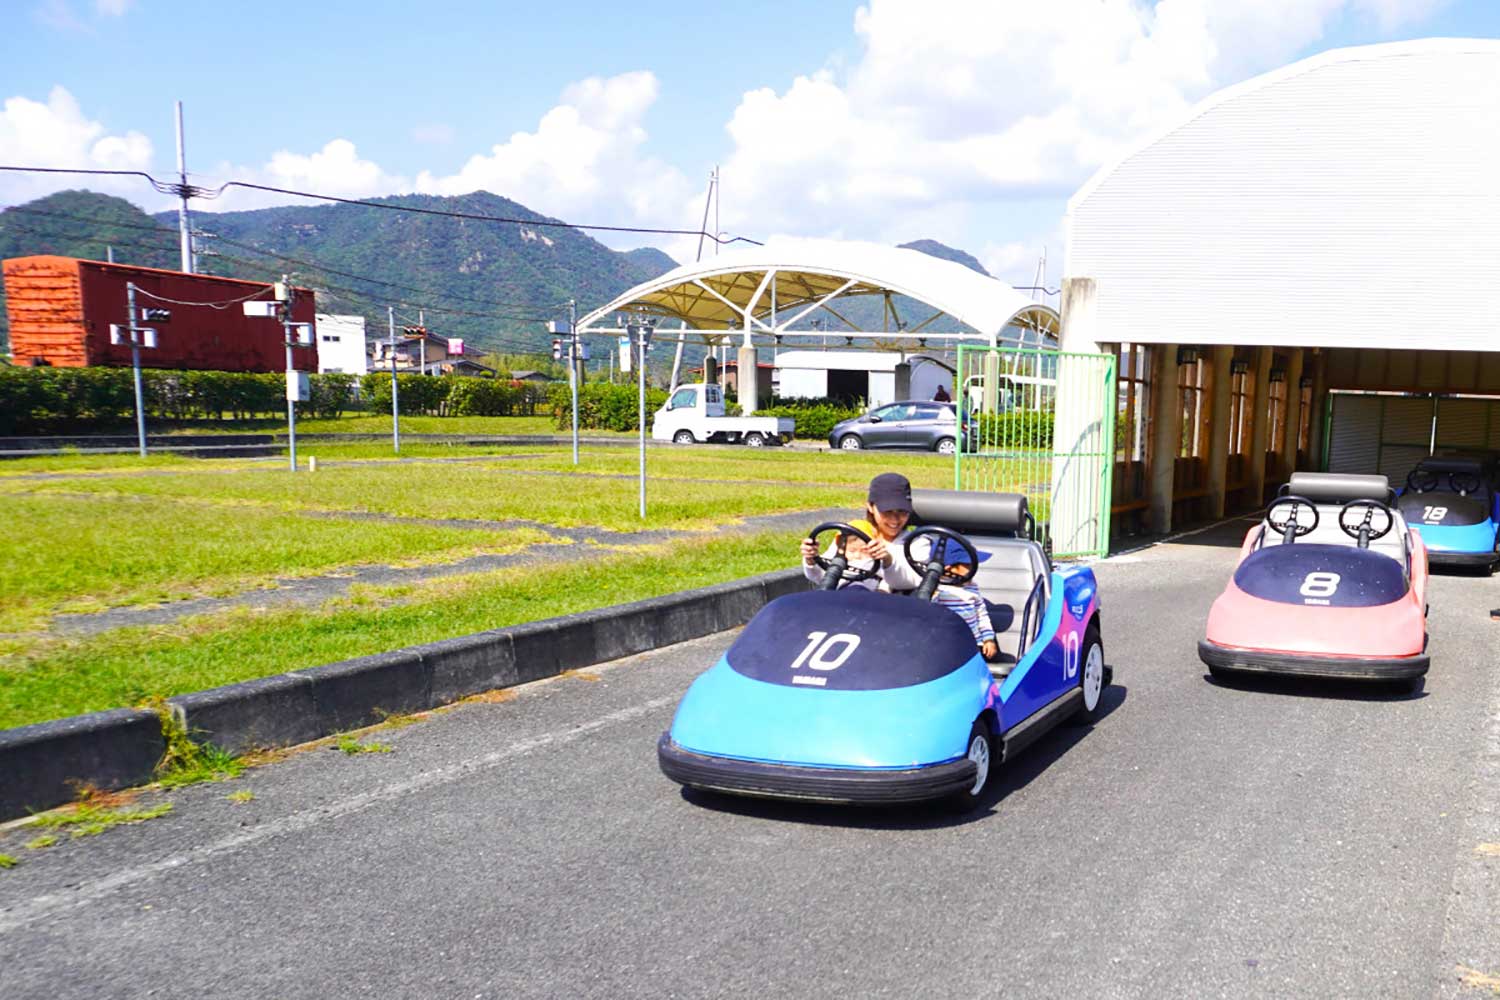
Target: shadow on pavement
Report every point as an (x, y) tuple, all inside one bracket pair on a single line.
[(1229, 534), (1012, 776), (1314, 687)]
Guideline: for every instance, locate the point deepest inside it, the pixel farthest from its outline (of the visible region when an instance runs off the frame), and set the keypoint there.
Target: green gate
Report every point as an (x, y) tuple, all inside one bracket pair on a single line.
[(1041, 423)]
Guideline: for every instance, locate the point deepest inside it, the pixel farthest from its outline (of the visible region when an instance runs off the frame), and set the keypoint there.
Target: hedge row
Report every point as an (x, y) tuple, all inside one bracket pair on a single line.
[(452, 395), (814, 417), (76, 400), (67, 400), (603, 406), (1016, 429)]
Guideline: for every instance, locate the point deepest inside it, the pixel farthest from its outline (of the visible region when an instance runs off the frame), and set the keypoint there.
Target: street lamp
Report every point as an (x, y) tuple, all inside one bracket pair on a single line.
[(640, 336)]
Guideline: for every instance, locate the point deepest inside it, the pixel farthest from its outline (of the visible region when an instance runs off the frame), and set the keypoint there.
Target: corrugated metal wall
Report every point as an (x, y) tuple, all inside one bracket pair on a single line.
[(1350, 199)]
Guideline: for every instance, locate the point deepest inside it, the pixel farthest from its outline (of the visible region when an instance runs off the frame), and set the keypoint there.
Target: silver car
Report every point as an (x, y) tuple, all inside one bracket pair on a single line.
[(924, 424)]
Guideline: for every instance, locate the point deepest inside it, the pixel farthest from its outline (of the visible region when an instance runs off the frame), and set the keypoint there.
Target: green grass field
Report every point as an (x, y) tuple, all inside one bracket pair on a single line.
[(91, 532)]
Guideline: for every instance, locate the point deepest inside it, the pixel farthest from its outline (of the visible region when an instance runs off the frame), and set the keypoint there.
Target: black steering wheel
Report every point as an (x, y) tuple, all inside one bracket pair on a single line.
[(933, 568), (1464, 483), (836, 570), (1364, 530), (1422, 480), (1291, 526)]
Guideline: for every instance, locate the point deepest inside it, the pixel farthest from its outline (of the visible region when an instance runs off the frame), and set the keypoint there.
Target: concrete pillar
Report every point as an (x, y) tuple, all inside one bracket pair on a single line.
[(1319, 403), (749, 381), (903, 380), (1255, 476), (1220, 384), (1166, 436), (1293, 411), (710, 368), (1080, 316)]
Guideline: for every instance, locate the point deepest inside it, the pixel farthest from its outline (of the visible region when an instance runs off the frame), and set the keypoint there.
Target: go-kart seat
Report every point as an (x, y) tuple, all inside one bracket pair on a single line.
[(1009, 569), (1010, 565), (1329, 491)]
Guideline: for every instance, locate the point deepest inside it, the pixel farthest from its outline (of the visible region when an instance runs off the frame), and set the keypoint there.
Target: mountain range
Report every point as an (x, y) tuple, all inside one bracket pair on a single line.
[(495, 284)]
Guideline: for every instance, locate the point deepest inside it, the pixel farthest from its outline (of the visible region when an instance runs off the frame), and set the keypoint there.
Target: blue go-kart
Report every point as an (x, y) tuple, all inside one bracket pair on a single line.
[(852, 696), (1453, 503)]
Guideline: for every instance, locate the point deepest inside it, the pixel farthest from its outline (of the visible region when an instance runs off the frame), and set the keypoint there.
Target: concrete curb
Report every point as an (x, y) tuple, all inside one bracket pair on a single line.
[(43, 765)]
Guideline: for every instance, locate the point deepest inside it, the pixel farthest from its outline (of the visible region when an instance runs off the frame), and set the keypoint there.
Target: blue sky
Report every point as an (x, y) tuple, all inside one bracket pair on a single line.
[(969, 121)]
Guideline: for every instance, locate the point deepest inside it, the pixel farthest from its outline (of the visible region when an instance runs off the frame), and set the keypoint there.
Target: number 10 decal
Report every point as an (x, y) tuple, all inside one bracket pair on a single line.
[(1072, 646), (819, 651)]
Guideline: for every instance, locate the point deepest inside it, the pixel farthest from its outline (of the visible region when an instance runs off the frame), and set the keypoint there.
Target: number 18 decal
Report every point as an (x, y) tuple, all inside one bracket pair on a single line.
[(1434, 515), (819, 653)]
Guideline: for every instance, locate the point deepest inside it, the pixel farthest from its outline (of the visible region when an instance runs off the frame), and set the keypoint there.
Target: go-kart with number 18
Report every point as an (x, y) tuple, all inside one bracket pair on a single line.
[(854, 696), (1452, 502), (1332, 583)]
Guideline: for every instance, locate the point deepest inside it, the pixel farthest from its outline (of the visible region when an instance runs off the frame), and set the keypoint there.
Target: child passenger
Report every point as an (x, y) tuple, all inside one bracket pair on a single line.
[(966, 601)]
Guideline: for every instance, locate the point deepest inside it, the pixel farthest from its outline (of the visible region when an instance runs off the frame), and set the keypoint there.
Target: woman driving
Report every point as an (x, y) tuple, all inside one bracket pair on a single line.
[(887, 509)]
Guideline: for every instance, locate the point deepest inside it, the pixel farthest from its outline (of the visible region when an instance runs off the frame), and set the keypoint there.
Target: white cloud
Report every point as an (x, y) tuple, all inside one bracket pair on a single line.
[(113, 8), (584, 160), (970, 104), (337, 169), (57, 134)]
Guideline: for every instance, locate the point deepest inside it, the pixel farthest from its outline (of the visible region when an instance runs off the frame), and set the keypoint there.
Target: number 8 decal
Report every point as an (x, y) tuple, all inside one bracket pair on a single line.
[(1320, 584)]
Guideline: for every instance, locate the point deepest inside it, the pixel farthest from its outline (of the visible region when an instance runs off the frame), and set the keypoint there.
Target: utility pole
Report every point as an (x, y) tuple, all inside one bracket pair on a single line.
[(284, 300), (575, 369), (395, 387), (184, 225), (640, 337), (135, 363), (422, 343)]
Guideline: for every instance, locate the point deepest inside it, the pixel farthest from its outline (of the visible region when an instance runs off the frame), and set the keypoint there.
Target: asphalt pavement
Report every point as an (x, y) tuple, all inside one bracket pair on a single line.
[(1264, 840)]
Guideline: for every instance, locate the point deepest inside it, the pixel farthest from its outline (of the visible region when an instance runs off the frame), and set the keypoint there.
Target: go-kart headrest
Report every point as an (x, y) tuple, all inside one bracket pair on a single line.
[(1452, 463), (1339, 487), (972, 513)]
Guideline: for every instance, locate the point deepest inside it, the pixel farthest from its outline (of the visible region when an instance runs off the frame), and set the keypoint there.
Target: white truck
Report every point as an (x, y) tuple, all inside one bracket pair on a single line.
[(695, 413)]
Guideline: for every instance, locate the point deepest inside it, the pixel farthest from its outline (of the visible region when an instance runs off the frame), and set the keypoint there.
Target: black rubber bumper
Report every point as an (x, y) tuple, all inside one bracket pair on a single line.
[(817, 784), (1467, 560), (1304, 665)]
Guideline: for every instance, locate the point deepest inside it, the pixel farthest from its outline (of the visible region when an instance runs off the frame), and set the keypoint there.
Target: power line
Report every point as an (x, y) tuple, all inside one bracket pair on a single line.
[(181, 190)]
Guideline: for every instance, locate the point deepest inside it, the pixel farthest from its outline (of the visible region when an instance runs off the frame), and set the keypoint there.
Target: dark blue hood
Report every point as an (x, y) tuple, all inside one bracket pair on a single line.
[(1340, 576), (851, 640)]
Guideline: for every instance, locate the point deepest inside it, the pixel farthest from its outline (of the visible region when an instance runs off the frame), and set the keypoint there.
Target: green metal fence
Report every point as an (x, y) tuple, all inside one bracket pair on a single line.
[(1041, 423)]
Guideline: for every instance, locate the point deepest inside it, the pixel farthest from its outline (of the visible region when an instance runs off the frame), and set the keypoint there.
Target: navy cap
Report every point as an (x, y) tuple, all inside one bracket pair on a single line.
[(890, 491)]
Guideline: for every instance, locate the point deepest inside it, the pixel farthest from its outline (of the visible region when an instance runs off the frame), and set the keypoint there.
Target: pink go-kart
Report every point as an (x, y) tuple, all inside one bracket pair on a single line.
[(1332, 583)]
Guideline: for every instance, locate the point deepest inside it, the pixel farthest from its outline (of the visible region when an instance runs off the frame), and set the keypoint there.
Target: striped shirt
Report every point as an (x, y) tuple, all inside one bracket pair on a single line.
[(968, 605)]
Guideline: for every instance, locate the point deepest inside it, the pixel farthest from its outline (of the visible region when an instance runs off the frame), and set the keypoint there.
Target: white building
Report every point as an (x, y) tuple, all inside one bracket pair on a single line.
[(341, 344), (866, 375), (1322, 231)]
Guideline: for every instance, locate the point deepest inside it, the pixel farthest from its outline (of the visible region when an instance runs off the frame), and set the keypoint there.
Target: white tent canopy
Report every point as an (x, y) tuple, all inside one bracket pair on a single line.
[(771, 291)]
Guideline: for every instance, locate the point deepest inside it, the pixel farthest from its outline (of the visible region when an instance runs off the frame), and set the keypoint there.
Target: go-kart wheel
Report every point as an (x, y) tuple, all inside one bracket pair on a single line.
[(1421, 480), (1463, 483), (1365, 526), (933, 567), (683, 437), (980, 751), (1294, 505), (850, 442), (1091, 676), (837, 568)]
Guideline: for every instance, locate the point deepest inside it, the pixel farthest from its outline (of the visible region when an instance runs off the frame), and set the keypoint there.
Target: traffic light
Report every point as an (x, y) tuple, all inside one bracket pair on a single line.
[(557, 348)]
